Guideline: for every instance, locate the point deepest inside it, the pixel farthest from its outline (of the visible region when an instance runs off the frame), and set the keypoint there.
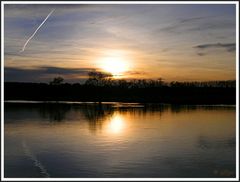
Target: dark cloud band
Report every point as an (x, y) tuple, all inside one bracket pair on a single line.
[(230, 47), (44, 73)]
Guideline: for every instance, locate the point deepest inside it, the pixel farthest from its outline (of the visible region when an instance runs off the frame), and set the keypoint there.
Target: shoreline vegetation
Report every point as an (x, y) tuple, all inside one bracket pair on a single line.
[(102, 88)]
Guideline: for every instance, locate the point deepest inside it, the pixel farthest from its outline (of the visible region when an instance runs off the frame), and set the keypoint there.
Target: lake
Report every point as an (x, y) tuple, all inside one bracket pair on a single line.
[(69, 139)]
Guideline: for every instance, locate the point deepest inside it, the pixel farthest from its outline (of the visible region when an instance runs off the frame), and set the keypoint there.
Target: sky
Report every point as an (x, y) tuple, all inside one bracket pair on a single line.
[(175, 42)]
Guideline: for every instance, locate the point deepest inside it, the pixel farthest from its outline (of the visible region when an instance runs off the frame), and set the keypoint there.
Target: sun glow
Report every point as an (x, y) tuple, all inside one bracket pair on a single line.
[(116, 124), (115, 63)]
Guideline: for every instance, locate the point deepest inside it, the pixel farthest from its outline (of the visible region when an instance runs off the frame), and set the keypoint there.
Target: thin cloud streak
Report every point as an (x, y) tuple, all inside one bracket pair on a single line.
[(24, 46), (231, 47)]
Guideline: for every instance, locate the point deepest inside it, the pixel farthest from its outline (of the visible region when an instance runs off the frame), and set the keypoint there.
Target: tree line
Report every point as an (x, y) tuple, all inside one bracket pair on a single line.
[(101, 79), (101, 87)]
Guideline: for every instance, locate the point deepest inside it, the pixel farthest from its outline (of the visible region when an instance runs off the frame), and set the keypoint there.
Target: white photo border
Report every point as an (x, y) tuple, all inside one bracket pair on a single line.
[(236, 3)]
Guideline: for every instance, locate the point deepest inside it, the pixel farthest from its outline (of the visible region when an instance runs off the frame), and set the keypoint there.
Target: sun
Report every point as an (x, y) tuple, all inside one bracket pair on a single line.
[(116, 65)]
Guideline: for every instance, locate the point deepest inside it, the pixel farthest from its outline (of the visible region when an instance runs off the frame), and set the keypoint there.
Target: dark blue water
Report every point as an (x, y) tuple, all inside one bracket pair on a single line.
[(118, 140)]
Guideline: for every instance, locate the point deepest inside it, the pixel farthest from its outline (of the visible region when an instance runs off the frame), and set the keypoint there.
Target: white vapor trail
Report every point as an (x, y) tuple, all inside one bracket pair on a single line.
[(24, 46)]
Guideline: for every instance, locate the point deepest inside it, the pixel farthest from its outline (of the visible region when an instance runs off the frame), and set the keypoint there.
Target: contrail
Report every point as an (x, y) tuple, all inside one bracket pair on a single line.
[(24, 46)]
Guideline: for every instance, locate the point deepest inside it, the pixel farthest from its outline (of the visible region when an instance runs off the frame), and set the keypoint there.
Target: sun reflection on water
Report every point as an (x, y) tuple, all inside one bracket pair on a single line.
[(116, 124)]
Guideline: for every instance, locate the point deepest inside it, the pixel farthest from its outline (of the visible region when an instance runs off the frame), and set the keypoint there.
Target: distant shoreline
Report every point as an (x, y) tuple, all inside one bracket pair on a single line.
[(124, 103), (179, 93)]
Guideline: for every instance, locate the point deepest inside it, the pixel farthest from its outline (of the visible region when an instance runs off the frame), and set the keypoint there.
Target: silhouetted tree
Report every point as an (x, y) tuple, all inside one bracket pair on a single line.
[(57, 81), (97, 78)]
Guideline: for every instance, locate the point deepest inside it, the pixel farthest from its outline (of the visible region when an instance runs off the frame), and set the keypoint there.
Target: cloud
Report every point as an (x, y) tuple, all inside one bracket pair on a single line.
[(45, 74), (191, 19), (199, 24), (135, 73), (230, 47), (201, 54), (179, 25), (66, 71), (27, 11)]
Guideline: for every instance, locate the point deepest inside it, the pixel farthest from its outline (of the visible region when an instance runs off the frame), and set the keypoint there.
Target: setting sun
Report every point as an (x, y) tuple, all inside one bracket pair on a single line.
[(115, 63)]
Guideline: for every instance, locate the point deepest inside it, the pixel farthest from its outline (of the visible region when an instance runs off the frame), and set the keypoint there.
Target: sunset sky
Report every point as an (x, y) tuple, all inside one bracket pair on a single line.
[(174, 42)]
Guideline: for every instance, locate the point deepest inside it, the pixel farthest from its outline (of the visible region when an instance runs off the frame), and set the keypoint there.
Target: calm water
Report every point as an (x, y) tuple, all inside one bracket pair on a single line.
[(118, 140)]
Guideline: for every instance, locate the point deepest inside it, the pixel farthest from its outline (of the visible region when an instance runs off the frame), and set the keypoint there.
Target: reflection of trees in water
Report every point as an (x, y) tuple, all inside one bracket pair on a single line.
[(96, 114), (177, 108), (55, 112), (144, 109)]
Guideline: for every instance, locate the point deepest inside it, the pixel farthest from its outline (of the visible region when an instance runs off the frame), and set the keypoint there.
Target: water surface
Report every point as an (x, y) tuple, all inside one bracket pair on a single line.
[(118, 140)]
